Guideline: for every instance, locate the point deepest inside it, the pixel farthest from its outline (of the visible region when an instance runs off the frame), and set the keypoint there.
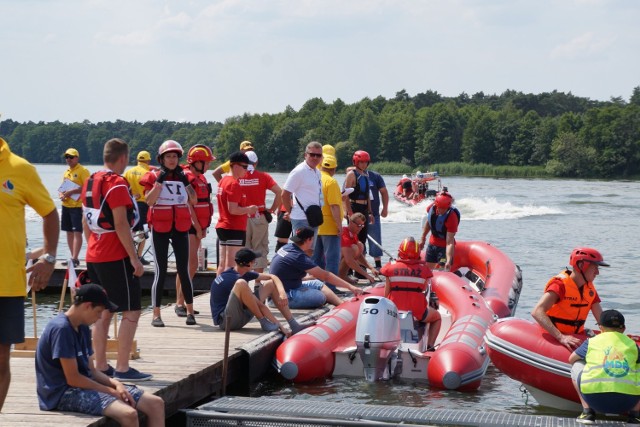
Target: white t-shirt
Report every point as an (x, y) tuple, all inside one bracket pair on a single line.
[(304, 183)]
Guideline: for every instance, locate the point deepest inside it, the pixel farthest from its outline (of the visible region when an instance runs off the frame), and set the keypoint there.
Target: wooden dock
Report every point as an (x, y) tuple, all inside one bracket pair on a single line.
[(186, 363)]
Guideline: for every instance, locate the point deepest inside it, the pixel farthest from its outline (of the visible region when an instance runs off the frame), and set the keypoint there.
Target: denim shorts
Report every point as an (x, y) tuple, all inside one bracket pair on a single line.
[(11, 320), (309, 295), (436, 253), (90, 401)]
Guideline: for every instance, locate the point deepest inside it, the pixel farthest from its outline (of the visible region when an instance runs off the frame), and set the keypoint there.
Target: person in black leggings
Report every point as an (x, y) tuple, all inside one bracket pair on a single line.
[(169, 194)]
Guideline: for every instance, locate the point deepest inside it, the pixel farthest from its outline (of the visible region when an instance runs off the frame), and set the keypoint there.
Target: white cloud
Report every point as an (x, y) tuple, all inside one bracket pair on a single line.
[(582, 46)]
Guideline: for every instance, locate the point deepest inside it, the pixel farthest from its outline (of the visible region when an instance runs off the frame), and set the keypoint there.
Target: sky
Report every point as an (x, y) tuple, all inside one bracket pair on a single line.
[(196, 60)]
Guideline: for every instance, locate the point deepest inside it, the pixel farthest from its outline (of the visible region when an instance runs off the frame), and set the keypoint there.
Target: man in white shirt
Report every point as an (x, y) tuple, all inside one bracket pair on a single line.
[(303, 187)]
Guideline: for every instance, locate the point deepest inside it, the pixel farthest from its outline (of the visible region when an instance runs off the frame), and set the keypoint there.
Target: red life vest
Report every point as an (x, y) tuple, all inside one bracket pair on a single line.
[(163, 217), (409, 280), (570, 313), (97, 213), (203, 207)]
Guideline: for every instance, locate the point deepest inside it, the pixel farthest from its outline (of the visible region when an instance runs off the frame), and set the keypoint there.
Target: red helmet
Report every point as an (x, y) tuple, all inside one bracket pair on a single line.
[(408, 249), (444, 200), (170, 146), (588, 255), (200, 153), (361, 156)]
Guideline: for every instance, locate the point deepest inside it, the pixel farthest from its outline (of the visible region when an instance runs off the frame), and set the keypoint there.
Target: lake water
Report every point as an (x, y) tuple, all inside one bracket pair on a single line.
[(536, 222)]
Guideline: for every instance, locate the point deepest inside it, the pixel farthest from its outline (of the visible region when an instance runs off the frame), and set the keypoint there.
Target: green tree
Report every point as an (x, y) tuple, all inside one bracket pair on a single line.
[(570, 157)]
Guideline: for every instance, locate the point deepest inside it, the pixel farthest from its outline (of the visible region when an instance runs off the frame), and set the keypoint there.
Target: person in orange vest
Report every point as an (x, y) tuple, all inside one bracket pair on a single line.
[(199, 157), (408, 286), (569, 296), (169, 193)]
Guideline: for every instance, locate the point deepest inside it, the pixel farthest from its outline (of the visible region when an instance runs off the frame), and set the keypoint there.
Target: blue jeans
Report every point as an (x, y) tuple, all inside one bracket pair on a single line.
[(297, 223), (375, 231), (327, 254), (308, 295)]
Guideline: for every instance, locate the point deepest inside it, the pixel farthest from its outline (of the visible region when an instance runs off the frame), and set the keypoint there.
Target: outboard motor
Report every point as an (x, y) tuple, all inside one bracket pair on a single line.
[(377, 336)]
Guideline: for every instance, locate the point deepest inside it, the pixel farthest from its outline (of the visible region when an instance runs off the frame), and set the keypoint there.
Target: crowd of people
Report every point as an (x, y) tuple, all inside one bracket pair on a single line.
[(322, 233)]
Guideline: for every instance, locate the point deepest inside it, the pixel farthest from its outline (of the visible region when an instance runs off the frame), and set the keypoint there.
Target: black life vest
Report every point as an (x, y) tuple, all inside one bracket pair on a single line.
[(438, 222), (361, 189)]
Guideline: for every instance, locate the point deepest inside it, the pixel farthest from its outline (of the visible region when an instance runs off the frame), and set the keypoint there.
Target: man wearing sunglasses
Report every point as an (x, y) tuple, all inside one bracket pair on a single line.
[(302, 189), (71, 221), (352, 250)]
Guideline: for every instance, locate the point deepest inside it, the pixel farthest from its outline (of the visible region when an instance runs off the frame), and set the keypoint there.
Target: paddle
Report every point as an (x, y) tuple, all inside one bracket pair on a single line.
[(391, 257)]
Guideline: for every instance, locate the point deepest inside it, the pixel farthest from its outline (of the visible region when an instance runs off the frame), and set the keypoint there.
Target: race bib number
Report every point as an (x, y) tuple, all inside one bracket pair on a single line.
[(172, 193)]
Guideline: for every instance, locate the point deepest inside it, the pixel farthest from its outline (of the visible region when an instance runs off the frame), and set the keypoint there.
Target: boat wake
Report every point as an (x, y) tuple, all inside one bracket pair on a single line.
[(473, 209)]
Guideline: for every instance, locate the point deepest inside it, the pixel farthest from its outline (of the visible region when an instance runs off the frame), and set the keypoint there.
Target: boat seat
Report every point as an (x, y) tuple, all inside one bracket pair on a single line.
[(407, 331)]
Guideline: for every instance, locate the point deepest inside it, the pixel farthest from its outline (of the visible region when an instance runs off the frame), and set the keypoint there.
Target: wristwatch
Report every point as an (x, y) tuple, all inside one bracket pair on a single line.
[(49, 258)]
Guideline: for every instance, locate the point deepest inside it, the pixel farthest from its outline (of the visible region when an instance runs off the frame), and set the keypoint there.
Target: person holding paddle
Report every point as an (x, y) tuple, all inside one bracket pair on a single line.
[(20, 186)]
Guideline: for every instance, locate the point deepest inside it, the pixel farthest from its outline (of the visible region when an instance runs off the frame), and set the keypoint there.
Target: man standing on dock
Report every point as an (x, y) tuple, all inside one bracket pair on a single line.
[(109, 213), (70, 189), (20, 186)]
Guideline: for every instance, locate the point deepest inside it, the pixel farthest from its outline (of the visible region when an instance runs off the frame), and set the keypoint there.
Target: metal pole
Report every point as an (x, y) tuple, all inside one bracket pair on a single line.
[(381, 248), (33, 304), (225, 359)]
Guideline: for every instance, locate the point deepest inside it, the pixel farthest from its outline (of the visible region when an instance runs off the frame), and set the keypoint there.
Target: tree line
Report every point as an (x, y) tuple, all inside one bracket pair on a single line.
[(569, 136)]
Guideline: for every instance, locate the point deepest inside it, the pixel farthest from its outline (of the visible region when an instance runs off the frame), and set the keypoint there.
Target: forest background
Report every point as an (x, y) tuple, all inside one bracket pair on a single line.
[(509, 135)]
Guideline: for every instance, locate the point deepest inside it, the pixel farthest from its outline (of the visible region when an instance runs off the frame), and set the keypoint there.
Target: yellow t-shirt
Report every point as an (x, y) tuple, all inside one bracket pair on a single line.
[(79, 174), (133, 176), (20, 185), (226, 166), (332, 196)]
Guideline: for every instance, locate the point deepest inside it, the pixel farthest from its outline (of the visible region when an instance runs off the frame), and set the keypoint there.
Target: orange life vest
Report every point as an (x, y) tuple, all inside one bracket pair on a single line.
[(409, 280), (203, 207), (163, 217), (570, 313)]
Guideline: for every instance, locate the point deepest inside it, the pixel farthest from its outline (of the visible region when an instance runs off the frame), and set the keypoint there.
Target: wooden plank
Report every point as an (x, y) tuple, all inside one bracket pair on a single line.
[(186, 362)]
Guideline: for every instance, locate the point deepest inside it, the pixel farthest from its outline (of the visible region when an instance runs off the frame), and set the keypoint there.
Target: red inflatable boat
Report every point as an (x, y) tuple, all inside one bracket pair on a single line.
[(524, 351), (333, 345)]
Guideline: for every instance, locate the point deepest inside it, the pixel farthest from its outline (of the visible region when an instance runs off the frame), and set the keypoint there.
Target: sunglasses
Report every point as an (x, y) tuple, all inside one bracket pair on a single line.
[(316, 155), (241, 165), (359, 225), (69, 157)]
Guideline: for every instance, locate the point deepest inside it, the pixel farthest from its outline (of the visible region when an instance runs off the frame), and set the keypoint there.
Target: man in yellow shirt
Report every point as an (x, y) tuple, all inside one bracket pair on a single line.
[(133, 176), (226, 166), (20, 185), (69, 192), (327, 251)]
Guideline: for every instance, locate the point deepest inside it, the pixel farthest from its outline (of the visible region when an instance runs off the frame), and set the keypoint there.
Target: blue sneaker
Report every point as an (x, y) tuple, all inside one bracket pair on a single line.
[(132, 375), (109, 371)]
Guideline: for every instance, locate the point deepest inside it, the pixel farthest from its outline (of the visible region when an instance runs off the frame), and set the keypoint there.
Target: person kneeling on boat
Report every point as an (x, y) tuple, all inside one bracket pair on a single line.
[(606, 369), (568, 297), (232, 298), (408, 286), (67, 377), (291, 264)]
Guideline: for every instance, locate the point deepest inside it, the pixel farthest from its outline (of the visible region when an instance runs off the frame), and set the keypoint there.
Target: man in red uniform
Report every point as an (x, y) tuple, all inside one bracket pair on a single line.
[(199, 158), (352, 249), (255, 185), (233, 209), (408, 285), (109, 214), (442, 221), (569, 296)]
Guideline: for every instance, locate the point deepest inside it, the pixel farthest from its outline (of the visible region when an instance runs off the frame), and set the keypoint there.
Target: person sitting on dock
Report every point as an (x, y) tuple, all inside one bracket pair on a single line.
[(352, 250), (232, 298), (408, 286), (569, 296), (443, 220), (606, 371), (67, 377), (292, 264)]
